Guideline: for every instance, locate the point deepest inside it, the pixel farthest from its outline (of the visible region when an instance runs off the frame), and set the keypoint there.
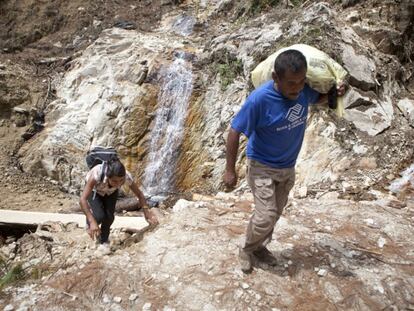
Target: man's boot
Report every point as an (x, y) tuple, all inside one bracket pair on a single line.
[(245, 260), (266, 256)]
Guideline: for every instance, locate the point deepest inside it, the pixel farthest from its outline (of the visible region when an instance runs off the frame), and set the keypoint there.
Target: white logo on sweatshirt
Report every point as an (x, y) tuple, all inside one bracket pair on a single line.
[(295, 113), (296, 117)]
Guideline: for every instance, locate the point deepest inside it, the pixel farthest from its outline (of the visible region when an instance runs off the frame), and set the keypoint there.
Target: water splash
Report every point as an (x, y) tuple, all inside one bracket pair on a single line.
[(406, 177), (184, 25), (167, 134)]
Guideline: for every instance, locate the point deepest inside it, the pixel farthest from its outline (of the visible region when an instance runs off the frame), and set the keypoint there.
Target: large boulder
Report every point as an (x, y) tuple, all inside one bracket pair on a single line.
[(361, 68), (367, 112), (407, 107), (322, 159)]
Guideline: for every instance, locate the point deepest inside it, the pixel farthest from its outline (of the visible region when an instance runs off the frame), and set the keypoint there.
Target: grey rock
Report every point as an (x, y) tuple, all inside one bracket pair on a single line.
[(133, 297), (353, 16), (117, 299), (361, 69), (322, 272), (367, 112), (320, 10), (147, 306), (333, 292), (407, 108), (348, 3), (106, 299)]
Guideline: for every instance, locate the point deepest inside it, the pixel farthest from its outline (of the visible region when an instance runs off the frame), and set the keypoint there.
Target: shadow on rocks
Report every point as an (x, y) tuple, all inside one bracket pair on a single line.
[(316, 257)]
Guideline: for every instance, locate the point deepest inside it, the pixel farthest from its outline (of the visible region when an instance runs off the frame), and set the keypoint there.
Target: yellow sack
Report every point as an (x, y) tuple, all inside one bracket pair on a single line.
[(323, 72)]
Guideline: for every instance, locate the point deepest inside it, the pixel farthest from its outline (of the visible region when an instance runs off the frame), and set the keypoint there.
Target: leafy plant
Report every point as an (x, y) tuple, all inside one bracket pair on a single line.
[(229, 71), (296, 2), (14, 274), (258, 6)]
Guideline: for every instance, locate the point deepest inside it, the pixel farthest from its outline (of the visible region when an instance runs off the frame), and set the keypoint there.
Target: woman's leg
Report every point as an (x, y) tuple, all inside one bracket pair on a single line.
[(97, 206), (109, 203)]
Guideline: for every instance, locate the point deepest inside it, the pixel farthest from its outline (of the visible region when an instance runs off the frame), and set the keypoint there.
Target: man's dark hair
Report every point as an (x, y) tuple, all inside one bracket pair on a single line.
[(115, 168), (292, 60)]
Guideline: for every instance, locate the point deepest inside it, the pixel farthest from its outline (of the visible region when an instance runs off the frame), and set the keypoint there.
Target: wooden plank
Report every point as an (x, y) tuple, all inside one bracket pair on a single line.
[(34, 218)]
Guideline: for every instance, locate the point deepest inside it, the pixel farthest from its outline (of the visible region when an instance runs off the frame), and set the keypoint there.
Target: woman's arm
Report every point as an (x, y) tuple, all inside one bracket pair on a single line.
[(94, 230), (149, 215)]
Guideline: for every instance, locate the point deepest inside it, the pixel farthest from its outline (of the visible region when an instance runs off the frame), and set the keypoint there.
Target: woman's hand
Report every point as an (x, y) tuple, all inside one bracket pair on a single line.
[(94, 231), (150, 217)]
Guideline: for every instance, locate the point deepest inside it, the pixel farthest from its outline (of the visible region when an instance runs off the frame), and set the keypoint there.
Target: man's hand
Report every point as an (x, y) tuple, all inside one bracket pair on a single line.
[(150, 217), (341, 88), (230, 179), (232, 146), (94, 230)]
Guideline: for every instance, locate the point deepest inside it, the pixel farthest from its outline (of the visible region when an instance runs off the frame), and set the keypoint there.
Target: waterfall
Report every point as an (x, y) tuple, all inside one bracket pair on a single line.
[(167, 134), (407, 177), (184, 25)]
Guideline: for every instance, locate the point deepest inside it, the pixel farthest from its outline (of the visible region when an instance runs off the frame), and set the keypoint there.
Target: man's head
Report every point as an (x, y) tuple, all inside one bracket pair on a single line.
[(289, 73)]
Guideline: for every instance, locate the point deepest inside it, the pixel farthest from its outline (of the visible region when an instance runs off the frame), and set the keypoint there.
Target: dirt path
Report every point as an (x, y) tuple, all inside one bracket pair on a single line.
[(332, 256)]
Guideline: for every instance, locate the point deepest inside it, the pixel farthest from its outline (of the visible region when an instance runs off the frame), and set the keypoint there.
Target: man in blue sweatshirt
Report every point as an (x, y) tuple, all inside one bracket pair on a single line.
[(273, 118)]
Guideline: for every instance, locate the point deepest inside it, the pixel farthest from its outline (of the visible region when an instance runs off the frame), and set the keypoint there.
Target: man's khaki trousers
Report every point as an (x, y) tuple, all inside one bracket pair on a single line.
[(270, 187)]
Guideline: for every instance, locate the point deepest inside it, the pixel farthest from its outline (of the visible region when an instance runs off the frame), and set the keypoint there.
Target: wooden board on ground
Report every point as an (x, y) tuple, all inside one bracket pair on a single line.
[(34, 218)]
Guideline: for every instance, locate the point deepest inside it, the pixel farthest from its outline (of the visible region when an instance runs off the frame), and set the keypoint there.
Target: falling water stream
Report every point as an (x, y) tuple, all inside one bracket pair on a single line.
[(184, 25), (407, 176), (167, 134)]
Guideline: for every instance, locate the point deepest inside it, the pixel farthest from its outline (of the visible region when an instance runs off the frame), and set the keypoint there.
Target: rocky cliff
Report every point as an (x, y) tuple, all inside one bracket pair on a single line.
[(109, 93)]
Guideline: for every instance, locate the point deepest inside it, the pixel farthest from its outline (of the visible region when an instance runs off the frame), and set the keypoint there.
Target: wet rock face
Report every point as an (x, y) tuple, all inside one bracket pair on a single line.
[(101, 101)]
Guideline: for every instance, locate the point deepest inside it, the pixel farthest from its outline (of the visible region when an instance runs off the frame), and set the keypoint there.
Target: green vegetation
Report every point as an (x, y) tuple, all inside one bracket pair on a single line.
[(10, 274), (229, 71), (296, 2), (14, 274), (258, 6), (310, 35), (36, 273)]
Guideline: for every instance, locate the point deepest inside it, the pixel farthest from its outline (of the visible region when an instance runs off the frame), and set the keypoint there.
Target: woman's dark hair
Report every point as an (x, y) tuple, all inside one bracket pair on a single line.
[(115, 168), (292, 60)]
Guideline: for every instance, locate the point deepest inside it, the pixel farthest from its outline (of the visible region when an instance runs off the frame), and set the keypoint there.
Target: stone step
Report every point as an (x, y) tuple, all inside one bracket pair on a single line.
[(35, 218)]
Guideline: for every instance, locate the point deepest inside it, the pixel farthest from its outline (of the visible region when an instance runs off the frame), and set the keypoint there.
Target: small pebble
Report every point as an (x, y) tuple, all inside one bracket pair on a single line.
[(117, 299), (322, 272), (245, 285), (133, 297), (8, 308), (106, 299)]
